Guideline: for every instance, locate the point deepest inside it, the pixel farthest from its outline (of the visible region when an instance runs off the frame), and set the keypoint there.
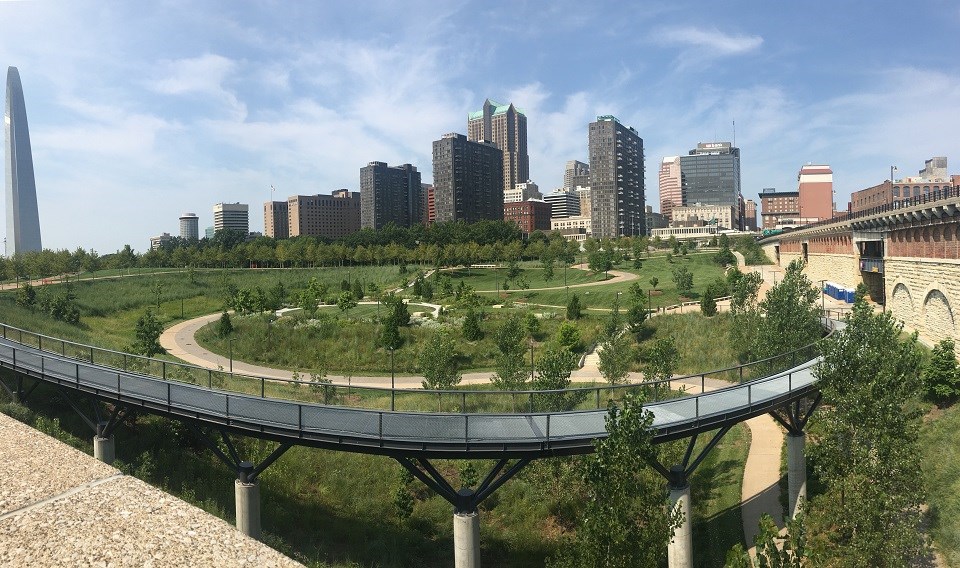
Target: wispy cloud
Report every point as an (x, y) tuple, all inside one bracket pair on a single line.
[(709, 41)]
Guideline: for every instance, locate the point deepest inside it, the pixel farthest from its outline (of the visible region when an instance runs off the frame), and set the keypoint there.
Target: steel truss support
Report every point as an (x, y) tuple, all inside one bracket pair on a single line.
[(466, 520), (794, 417), (247, 484), (17, 392), (680, 549), (103, 425)]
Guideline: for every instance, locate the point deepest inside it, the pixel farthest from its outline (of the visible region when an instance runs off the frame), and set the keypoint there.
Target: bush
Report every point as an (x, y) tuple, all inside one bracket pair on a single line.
[(941, 377), (574, 308), (471, 326), (224, 326)]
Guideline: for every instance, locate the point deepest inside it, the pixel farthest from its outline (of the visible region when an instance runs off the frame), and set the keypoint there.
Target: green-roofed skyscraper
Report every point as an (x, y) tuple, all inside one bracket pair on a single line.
[(506, 127)]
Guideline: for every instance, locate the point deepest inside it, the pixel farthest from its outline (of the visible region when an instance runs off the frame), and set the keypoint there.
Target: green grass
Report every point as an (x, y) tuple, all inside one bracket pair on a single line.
[(488, 279), (602, 296), (716, 487), (703, 343)]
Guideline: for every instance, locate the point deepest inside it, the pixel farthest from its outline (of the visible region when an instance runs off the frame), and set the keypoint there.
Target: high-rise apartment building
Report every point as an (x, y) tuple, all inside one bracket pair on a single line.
[(616, 179), (815, 186), (467, 179), (750, 215), (430, 204), (505, 126), (276, 220), (563, 203), (575, 173), (586, 205), (671, 194), (189, 226), (232, 216), (23, 219), (331, 216), (522, 192), (710, 175), (390, 194)]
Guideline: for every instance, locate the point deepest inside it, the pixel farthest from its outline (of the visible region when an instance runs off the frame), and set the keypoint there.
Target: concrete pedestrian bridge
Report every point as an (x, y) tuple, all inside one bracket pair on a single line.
[(511, 427)]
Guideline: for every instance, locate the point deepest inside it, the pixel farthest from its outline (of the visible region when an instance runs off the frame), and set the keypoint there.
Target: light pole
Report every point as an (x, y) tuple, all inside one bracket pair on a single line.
[(393, 392), (648, 301), (531, 358), (230, 350), (823, 309)]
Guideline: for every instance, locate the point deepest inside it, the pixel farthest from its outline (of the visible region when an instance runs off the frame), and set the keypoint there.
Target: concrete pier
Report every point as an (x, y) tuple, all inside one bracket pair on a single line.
[(680, 549), (104, 449), (796, 472), (247, 496), (466, 540)]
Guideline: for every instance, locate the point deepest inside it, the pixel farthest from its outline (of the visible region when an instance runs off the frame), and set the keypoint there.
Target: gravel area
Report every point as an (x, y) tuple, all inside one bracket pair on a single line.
[(61, 507), (35, 466)]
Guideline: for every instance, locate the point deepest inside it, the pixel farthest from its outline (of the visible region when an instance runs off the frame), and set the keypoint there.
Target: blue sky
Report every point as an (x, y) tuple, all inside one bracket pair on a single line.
[(140, 111)]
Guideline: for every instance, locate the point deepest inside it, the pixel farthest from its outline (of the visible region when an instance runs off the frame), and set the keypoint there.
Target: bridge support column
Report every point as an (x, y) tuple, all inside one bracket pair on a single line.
[(680, 549), (104, 446), (466, 539), (247, 495), (796, 471)]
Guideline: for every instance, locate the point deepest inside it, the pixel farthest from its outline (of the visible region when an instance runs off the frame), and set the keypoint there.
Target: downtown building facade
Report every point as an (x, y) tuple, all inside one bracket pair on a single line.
[(576, 173), (530, 215), (189, 226), (276, 219), (522, 192), (779, 209), (671, 195), (330, 217), (506, 127), (710, 175), (815, 189), (563, 203), (390, 194), (233, 217), (931, 180), (23, 218), (467, 180), (616, 179)]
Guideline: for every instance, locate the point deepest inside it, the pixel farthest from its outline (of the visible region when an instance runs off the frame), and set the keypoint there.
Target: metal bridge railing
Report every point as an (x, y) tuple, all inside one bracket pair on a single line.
[(457, 401)]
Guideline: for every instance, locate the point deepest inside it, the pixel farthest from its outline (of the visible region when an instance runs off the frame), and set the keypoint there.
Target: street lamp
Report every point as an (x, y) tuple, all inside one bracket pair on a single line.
[(823, 298), (230, 348), (393, 392)]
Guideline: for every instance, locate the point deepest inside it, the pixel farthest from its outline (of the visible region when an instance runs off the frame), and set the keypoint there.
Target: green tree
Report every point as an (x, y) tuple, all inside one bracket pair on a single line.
[(568, 337), (615, 355), (471, 326), (683, 279), (653, 282), (867, 446), (547, 264), (708, 302), (147, 335), (574, 308), (510, 366), (941, 378), (614, 323), (553, 373), (600, 261), (158, 292), (438, 362), (791, 316), (532, 324), (774, 551), (661, 359), (746, 315), (625, 523), (346, 301), (26, 295), (224, 325), (357, 290)]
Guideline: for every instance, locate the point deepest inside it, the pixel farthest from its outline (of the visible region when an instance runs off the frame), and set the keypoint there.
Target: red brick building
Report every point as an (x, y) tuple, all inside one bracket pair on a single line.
[(530, 215)]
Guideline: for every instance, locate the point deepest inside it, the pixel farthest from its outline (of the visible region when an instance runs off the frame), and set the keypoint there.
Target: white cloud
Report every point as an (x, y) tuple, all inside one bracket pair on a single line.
[(709, 41), (204, 75)]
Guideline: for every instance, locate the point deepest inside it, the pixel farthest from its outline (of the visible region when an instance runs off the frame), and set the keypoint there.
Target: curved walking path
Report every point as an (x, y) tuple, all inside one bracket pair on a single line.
[(617, 277)]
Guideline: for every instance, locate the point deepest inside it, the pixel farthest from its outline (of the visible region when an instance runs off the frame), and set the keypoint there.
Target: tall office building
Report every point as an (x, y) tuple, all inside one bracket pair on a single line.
[(671, 195), (189, 226), (815, 186), (563, 203), (331, 216), (750, 215), (710, 175), (575, 173), (586, 205), (276, 221), (390, 194), (616, 179), (505, 126), (23, 219), (467, 180), (232, 216)]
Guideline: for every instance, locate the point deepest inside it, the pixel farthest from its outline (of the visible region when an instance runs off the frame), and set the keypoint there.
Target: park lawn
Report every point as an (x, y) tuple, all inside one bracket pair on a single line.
[(602, 295), (703, 342), (489, 280), (941, 472)]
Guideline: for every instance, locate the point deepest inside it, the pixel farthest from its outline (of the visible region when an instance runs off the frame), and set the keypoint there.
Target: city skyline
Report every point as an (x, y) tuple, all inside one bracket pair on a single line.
[(131, 125)]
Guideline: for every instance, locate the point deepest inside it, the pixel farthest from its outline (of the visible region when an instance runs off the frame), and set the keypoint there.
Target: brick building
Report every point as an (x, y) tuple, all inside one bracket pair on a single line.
[(331, 216), (530, 215)]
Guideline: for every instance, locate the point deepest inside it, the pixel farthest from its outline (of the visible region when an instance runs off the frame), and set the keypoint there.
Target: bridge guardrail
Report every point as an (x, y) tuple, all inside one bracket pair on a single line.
[(458, 401)]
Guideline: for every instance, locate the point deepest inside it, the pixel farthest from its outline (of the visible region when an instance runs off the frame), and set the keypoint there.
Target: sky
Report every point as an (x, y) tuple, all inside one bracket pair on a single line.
[(140, 111)]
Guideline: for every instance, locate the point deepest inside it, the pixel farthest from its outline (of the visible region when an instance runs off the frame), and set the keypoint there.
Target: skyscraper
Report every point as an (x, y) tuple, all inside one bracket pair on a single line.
[(276, 219), (189, 226), (506, 127), (670, 194), (616, 179), (710, 175), (233, 216), (23, 220), (576, 173), (467, 180), (390, 195)]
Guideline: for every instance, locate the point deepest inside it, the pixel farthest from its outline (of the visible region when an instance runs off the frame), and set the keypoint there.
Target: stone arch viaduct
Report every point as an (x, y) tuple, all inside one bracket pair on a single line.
[(907, 253)]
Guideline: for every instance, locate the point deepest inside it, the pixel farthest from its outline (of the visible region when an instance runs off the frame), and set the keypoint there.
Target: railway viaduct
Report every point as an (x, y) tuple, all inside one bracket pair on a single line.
[(907, 254)]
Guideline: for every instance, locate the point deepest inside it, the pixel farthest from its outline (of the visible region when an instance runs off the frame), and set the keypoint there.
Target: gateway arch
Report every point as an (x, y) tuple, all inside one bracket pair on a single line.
[(23, 220)]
